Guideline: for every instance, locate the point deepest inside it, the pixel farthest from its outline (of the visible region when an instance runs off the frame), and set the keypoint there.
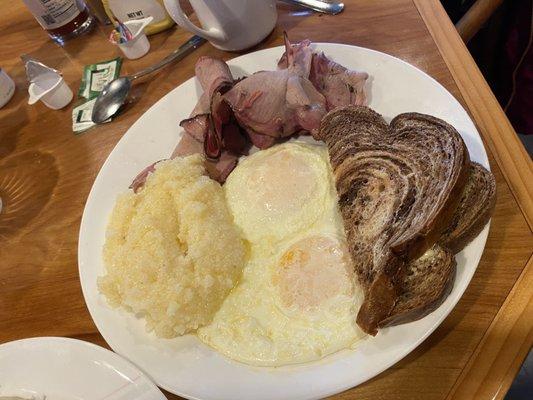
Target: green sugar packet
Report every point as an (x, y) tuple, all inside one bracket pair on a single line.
[(82, 116), (96, 76)]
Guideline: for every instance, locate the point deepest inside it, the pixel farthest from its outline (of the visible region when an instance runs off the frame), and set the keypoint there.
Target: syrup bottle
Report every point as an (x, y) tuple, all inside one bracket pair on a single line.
[(61, 19)]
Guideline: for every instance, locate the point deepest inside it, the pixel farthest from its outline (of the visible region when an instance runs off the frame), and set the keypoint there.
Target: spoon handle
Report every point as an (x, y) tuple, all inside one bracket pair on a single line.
[(176, 55), (319, 5)]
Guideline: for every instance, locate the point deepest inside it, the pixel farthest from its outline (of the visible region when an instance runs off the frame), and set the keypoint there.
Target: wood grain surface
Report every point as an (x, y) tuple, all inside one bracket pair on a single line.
[(46, 173), (506, 343)]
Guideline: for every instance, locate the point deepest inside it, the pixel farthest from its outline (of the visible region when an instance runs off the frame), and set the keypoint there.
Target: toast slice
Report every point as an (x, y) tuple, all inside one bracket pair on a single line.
[(474, 210), (429, 279), (398, 188), (426, 284)]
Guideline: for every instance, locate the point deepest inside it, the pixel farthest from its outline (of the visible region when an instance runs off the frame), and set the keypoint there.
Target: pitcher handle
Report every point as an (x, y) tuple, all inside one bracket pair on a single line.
[(174, 9)]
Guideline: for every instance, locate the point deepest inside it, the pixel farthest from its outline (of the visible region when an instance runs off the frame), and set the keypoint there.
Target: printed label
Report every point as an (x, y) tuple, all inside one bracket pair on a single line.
[(52, 14), (102, 76), (126, 10)]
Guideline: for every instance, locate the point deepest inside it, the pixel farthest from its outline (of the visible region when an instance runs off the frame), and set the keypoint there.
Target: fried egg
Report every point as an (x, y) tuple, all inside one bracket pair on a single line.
[(280, 191), (297, 299)]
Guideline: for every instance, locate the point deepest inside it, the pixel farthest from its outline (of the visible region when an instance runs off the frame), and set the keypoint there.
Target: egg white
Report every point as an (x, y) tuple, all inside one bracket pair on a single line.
[(297, 299)]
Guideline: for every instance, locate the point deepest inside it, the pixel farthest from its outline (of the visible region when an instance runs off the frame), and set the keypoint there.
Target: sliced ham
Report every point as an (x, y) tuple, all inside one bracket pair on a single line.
[(221, 168), (217, 169), (262, 109), (214, 77), (140, 179), (339, 85), (212, 128), (196, 126), (308, 104), (221, 115), (213, 74), (236, 140), (212, 121), (259, 103), (300, 55), (282, 102), (260, 141)]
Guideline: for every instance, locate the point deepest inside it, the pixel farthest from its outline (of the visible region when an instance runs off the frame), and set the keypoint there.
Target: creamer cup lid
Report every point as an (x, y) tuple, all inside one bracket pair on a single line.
[(35, 68)]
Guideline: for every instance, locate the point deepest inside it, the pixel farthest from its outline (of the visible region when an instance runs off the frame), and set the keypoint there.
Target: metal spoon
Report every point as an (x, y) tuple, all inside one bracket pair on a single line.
[(320, 6), (115, 92)]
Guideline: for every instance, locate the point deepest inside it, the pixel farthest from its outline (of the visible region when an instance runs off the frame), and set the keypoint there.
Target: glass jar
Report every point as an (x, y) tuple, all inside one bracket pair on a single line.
[(61, 19)]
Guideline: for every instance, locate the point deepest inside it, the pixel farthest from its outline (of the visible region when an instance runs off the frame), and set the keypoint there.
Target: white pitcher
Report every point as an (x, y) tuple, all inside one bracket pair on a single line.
[(228, 24)]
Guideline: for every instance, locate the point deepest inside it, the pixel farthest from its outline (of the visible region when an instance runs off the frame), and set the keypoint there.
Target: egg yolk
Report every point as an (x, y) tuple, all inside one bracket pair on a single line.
[(313, 270), (280, 186)]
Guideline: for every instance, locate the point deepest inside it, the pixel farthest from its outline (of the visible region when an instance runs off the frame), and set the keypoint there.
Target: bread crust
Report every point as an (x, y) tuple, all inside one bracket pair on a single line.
[(442, 289), (480, 188), (385, 293)]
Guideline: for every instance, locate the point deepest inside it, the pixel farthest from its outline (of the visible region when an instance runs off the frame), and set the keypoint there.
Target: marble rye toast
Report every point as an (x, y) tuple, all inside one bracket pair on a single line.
[(399, 185), (429, 279), (474, 211), (427, 282)]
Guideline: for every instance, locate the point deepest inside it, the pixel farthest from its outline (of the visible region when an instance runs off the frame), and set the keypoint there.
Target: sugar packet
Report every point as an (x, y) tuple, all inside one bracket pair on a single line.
[(82, 116), (95, 77)]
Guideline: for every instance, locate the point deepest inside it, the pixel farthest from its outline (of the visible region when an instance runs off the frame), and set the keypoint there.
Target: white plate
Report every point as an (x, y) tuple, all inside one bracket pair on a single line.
[(184, 365), (67, 369)]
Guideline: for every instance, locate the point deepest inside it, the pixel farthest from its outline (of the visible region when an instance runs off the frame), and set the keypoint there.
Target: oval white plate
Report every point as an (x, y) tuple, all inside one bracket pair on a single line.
[(68, 369), (184, 365)]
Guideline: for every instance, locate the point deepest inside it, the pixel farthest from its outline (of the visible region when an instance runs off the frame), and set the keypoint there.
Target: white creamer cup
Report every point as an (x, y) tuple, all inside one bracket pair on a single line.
[(7, 88), (139, 45), (51, 89)]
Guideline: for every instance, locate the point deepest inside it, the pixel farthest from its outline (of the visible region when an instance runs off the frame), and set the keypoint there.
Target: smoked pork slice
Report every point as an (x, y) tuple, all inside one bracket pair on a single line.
[(282, 102), (339, 85), (212, 128)]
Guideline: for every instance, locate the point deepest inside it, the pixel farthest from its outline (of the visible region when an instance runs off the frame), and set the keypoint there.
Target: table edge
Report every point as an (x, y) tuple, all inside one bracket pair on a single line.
[(516, 167), (511, 325)]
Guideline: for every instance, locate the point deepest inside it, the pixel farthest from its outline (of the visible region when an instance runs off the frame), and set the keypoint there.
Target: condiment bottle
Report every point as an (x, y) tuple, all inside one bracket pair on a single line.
[(136, 9), (61, 19)]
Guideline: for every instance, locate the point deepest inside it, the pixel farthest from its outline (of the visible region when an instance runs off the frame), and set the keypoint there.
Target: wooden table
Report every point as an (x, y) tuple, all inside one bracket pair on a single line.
[(46, 173)]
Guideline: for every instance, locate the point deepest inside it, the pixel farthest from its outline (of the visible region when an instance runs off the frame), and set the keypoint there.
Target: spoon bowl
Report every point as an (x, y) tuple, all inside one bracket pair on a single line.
[(112, 97)]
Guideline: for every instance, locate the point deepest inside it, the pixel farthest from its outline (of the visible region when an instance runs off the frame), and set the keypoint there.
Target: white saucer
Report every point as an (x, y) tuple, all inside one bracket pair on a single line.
[(67, 369)]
